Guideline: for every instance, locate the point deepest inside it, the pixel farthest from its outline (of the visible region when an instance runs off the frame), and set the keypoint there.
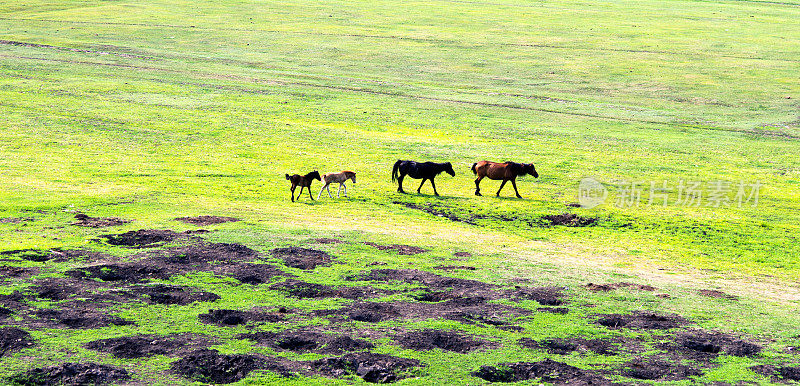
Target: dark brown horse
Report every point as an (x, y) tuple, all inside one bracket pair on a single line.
[(304, 182), (506, 171), (423, 170)]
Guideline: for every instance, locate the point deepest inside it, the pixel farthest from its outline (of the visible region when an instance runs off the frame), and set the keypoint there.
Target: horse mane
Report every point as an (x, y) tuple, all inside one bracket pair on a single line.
[(516, 168)]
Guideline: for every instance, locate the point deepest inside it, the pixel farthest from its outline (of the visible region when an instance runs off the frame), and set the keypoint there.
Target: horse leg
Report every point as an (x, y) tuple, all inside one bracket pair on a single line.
[(420, 185), (400, 183), (341, 184), (320, 191), (478, 186), (311, 196), (328, 188), (293, 187), (301, 191), (501, 187), (434, 187), (514, 184)]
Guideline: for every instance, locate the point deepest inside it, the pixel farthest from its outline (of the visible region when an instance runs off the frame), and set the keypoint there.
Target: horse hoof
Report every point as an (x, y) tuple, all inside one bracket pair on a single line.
[(478, 194)]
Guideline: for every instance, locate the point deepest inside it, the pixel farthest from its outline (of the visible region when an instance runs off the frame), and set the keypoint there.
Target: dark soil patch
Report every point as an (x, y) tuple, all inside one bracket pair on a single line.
[(705, 344), (209, 366), (462, 254), (249, 273), (782, 373), (457, 287), (399, 248), (305, 290), (614, 286), (657, 369), (454, 267), (554, 310), (72, 374), (144, 238), (131, 272), (303, 341), (170, 294), (97, 222), (445, 340), (374, 368), (325, 240), (642, 320), (565, 346), (717, 294), (5, 313), (207, 220), (568, 219), (373, 312), (140, 346), (37, 255), (13, 339), (546, 370), (86, 318), (428, 208), (14, 220), (207, 252), (223, 317), (302, 258), (17, 272), (546, 296)]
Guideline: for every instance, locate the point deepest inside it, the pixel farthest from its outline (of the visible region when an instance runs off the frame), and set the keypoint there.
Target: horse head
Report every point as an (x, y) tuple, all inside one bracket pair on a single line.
[(448, 168), (352, 176), (314, 175), (530, 169)]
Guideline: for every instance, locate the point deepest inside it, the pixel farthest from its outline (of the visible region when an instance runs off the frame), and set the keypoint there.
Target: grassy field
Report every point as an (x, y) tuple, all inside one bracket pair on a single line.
[(153, 110)]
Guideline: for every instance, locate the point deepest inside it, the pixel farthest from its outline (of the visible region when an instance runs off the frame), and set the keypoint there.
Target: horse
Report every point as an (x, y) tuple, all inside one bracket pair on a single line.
[(506, 171), (304, 182), (424, 170), (341, 178)]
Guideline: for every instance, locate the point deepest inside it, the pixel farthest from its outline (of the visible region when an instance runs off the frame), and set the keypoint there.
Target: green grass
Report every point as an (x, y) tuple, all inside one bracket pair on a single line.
[(152, 110)]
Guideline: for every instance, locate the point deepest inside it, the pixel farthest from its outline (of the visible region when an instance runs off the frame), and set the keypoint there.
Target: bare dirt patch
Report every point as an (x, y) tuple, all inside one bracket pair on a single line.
[(302, 258), (642, 320), (72, 374), (7, 272), (374, 368), (144, 238), (568, 219), (454, 268), (129, 272), (223, 317), (305, 290), (565, 346), (13, 339), (717, 294), (83, 220), (658, 369), (613, 286), (304, 341), (462, 254), (204, 252), (207, 220), (172, 294), (14, 220), (210, 366), (399, 248), (140, 346), (37, 255), (546, 296), (79, 317), (546, 370), (327, 240), (441, 339), (703, 345), (250, 273)]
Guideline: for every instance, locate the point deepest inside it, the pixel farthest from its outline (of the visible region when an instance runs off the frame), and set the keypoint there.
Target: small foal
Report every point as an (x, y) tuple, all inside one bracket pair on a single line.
[(304, 182), (341, 178)]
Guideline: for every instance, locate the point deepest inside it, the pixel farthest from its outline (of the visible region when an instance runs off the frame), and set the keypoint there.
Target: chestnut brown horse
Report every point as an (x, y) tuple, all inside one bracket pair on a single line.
[(506, 171), (304, 182)]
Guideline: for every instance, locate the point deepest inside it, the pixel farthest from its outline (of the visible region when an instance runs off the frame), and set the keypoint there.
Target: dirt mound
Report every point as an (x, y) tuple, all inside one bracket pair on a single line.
[(564, 346), (210, 367), (304, 290), (171, 294), (206, 252), (302, 258), (374, 368), (80, 318), (14, 220), (223, 317), (302, 341), (613, 286), (568, 219), (457, 287), (554, 310), (13, 339), (791, 373), (143, 238), (7, 272), (72, 374), (546, 296), (399, 248), (139, 346), (658, 369), (207, 220), (642, 320), (97, 222), (445, 340), (712, 343), (372, 312), (546, 370), (37, 255), (132, 272), (717, 294), (462, 254), (249, 273), (325, 240)]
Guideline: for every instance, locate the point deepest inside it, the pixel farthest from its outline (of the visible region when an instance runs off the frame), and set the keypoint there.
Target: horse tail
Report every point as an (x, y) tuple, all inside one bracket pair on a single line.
[(395, 169), (473, 168)]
